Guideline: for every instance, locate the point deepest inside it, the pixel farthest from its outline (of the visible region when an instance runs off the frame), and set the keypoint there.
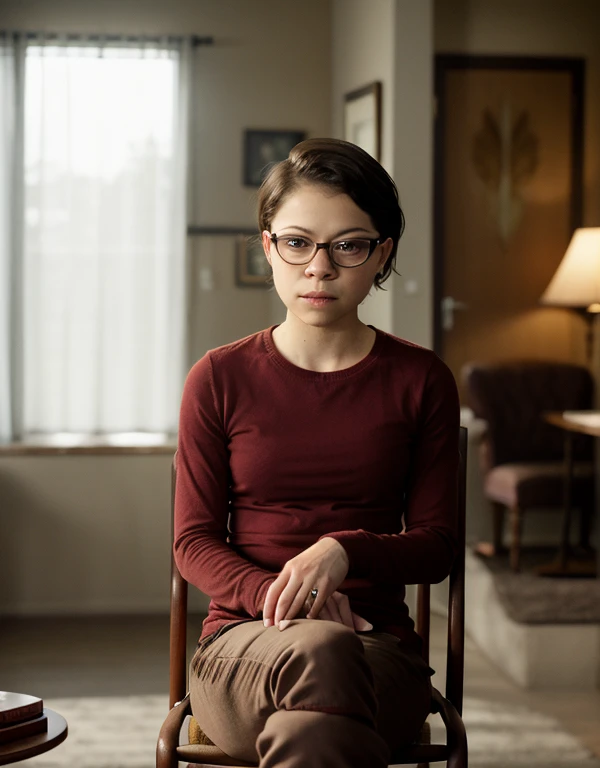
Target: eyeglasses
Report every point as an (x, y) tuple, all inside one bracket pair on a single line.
[(350, 253)]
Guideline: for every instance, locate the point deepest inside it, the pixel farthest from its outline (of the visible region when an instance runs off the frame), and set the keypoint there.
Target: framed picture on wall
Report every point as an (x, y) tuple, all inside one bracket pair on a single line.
[(362, 118), (252, 270), (264, 148)]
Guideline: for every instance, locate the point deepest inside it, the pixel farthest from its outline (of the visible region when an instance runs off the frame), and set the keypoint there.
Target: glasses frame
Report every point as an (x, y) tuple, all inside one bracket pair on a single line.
[(373, 243)]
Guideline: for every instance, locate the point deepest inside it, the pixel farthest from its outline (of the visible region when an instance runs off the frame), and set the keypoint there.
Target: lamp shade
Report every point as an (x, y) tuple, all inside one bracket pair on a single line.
[(576, 282)]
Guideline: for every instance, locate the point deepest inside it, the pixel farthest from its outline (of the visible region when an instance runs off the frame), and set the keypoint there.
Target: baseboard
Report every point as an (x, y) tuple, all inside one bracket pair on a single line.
[(81, 606), (84, 608)]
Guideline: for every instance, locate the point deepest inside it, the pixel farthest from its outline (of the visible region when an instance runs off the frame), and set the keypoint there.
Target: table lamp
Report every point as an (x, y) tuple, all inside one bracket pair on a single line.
[(576, 282)]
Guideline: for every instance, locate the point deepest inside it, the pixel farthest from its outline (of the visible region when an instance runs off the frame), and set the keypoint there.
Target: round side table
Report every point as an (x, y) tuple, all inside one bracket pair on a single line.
[(21, 749)]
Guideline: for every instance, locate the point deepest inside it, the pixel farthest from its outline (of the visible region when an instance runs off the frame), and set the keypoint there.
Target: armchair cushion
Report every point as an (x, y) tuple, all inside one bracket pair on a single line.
[(537, 484), (512, 398)]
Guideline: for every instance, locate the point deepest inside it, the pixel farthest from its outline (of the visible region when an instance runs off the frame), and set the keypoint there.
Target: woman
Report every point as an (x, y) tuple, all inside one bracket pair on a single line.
[(302, 451)]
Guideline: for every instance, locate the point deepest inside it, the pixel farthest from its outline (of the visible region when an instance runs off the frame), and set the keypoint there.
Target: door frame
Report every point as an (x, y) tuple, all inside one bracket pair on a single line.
[(445, 63)]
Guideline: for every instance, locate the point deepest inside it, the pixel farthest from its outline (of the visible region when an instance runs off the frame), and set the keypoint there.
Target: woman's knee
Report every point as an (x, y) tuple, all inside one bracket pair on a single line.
[(319, 739), (324, 641), (323, 666), (314, 633)]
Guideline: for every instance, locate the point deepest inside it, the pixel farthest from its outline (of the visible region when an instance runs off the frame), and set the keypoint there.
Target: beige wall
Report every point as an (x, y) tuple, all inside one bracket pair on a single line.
[(255, 76), (413, 168), (83, 534), (393, 43), (370, 27)]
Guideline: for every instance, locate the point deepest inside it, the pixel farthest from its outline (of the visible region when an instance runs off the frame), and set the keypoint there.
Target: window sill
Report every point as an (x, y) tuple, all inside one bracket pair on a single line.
[(117, 444)]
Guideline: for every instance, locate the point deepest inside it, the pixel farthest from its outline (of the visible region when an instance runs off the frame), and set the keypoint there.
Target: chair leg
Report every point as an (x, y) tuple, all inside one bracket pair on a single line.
[(425, 739), (498, 523), (515, 541), (456, 736), (586, 515), (168, 737)]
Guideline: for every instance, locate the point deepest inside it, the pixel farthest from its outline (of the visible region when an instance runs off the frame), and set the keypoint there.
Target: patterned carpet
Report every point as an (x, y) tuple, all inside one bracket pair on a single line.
[(122, 732)]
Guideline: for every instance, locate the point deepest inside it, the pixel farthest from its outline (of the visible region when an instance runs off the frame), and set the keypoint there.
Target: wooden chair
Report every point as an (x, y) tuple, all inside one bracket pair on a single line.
[(169, 751)]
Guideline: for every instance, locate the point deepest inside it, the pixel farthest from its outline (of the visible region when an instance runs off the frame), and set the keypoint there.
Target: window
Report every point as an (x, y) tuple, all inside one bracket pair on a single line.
[(103, 308)]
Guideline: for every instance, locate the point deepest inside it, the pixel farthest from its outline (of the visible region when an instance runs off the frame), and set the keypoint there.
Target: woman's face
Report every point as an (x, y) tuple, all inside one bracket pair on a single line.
[(322, 215)]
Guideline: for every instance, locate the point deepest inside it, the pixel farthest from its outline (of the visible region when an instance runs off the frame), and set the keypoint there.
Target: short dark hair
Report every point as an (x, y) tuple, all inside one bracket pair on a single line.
[(346, 168)]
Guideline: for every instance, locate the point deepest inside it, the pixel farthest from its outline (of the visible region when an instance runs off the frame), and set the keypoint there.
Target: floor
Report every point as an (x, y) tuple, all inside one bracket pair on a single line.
[(58, 657), (578, 712)]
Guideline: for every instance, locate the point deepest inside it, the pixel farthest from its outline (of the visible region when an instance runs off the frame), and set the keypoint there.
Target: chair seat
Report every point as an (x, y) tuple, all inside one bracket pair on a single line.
[(537, 484), (201, 751), (203, 754)]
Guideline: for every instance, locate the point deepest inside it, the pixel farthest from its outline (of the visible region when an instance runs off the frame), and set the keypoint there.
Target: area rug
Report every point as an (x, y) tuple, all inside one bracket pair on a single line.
[(503, 736), (531, 599), (121, 732)]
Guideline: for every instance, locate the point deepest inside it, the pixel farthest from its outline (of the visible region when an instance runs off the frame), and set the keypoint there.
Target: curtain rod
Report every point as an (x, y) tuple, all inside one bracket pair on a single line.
[(196, 40)]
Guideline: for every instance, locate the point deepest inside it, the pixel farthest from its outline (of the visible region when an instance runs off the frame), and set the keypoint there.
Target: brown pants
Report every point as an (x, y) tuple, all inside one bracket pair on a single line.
[(316, 694)]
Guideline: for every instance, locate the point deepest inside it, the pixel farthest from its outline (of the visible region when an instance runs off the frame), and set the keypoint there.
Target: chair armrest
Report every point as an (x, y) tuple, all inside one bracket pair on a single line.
[(168, 737), (456, 734), (478, 427)]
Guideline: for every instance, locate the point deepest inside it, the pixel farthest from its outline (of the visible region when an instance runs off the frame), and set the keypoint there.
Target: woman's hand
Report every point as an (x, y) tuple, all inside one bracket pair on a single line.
[(323, 567), (337, 608)]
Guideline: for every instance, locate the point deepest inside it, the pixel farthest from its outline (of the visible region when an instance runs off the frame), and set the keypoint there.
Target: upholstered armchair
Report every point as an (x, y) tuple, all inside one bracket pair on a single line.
[(521, 455)]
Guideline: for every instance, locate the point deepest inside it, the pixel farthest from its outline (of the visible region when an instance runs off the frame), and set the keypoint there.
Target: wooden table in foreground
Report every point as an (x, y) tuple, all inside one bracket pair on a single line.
[(22, 749), (583, 423)]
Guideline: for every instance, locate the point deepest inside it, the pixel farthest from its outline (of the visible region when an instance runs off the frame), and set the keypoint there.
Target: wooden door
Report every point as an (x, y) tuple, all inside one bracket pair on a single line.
[(508, 196)]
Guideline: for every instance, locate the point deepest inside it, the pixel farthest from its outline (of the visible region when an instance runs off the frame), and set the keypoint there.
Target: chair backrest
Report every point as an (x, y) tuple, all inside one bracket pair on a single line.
[(456, 605), (512, 397), (455, 654), (178, 620)]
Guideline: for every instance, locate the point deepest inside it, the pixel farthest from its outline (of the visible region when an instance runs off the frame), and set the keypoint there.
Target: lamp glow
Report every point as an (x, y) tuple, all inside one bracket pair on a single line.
[(576, 282)]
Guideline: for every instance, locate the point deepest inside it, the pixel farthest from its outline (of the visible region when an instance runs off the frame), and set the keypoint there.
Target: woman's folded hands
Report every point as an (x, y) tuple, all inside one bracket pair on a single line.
[(307, 587)]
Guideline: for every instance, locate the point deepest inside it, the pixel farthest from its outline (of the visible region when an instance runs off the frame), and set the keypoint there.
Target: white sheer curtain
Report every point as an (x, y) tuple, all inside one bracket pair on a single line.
[(106, 143), (11, 230)]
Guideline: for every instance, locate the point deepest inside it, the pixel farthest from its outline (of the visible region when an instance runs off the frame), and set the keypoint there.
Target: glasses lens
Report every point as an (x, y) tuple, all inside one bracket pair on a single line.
[(350, 253), (295, 250)]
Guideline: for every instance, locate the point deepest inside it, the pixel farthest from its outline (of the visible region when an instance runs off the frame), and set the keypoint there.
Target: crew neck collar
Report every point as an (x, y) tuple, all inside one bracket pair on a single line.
[(304, 373)]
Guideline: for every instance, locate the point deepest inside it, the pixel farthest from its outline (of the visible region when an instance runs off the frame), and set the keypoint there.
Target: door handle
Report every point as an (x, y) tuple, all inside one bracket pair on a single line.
[(449, 305)]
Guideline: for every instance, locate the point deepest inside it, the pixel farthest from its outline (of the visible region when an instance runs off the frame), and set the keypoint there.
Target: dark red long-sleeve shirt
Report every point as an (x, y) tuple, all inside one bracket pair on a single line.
[(272, 457)]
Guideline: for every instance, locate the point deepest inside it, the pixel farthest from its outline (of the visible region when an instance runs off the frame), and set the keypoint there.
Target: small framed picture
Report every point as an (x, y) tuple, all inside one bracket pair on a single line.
[(262, 149), (362, 118), (252, 268)]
